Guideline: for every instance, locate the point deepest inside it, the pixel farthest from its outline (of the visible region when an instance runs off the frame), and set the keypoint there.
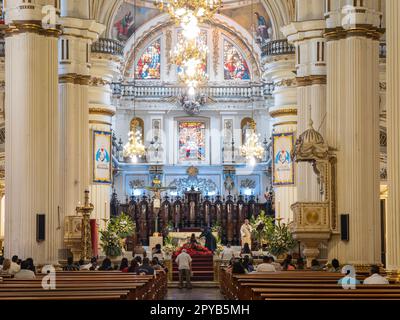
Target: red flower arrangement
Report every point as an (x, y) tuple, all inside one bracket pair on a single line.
[(194, 250)]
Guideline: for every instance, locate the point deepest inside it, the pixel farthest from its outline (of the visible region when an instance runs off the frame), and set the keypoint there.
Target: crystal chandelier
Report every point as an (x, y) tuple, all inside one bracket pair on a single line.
[(134, 149), (200, 9), (252, 150), (190, 57), (190, 54)]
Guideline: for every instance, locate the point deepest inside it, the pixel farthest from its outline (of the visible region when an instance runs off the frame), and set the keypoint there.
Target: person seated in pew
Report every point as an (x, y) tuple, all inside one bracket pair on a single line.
[(31, 265), (92, 265), (25, 273), (134, 266), (146, 268), (315, 266), (138, 260), (266, 265), (124, 266), (375, 277), (278, 266), (15, 266), (1, 263), (155, 263), (237, 267), (245, 250), (300, 264), (287, 264), (248, 264), (335, 266), (71, 266), (106, 265), (156, 249), (6, 267)]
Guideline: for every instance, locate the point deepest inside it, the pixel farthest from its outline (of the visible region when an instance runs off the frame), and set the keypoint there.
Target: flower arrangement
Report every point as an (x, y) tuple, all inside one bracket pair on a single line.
[(113, 237), (273, 233), (217, 228), (169, 247), (193, 250)]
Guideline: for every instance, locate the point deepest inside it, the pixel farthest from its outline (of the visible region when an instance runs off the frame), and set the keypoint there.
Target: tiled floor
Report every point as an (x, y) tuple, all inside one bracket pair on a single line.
[(194, 294)]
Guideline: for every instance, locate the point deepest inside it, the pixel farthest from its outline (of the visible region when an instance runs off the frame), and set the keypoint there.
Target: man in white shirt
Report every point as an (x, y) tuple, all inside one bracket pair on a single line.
[(184, 262), (25, 273), (266, 266), (375, 277), (15, 267)]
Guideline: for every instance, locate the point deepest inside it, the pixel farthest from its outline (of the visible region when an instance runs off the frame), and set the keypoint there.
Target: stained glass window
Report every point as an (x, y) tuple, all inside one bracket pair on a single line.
[(235, 66), (201, 40), (149, 65), (192, 141)]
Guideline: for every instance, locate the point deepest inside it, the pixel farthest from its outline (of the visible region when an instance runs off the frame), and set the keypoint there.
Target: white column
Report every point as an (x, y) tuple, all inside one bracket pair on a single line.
[(74, 74), (393, 121), (280, 69), (353, 128), (307, 36), (32, 145), (105, 69)]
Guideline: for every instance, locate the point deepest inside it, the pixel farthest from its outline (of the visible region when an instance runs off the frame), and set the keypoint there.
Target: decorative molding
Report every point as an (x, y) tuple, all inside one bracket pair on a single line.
[(31, 27), (283, 112), (73, 78), (102, 111), (359, 30), (216, 37), (311, 80)]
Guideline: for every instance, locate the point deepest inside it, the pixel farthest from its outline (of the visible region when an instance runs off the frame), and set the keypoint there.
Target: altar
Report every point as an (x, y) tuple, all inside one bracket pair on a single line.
[(180, 238)]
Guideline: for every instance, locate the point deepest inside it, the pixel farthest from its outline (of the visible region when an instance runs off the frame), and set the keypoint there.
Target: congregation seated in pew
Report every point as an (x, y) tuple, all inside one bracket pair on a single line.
[(266, 265), (25, 273)]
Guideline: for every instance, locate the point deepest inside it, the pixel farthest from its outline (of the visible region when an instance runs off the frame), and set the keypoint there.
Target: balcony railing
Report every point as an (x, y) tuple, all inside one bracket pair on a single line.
[(108, 46), (159, 91), (278, 47)]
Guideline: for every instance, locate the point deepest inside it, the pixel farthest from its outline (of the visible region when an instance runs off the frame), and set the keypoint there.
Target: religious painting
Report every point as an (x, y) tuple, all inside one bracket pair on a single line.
[(149, 64), (200, 41), (247, 126), (101, 157), (156, 128), (228, 131), (283, 166), (129, 18), (254, 18), (192, 141), (235, 66)]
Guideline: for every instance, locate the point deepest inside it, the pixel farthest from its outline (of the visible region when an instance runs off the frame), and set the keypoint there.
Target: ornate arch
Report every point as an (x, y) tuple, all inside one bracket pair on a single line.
[(226, 26)]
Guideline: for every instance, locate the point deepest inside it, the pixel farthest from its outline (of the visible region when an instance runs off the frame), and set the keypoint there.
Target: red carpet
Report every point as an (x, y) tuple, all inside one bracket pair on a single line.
[(202, 266)]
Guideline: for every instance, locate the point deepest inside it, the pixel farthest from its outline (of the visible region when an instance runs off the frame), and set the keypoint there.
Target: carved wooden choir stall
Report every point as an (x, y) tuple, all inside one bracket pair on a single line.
[(193, 212)]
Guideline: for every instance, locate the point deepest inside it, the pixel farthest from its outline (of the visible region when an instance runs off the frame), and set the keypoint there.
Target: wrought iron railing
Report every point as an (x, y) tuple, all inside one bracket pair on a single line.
[(109, 46), (159, 91), (278, 47)]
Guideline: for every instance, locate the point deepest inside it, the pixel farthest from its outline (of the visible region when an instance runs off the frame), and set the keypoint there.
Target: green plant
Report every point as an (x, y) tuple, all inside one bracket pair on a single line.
[(118, 228), (273, 233), (217, 228), (110, 243)]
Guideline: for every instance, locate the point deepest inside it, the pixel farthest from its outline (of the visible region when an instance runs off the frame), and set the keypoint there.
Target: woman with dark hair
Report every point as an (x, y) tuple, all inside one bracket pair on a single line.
[(300, 264), (335, 266), (31, 265), (124, 265), (287, 264), (70, 265), (193, 240), (246, 249), (237, 268), (157, 249), (133, 268), (138, 259), (315, 266), (106, 265), (247, 264)]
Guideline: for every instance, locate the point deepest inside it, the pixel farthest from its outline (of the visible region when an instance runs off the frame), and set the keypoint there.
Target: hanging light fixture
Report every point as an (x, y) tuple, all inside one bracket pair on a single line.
[(200, 9), (134, 148), (190, 54), (252, 150)]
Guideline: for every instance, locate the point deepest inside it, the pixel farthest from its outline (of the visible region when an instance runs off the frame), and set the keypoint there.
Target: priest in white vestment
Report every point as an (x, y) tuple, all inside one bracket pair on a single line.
[(245, 233)]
